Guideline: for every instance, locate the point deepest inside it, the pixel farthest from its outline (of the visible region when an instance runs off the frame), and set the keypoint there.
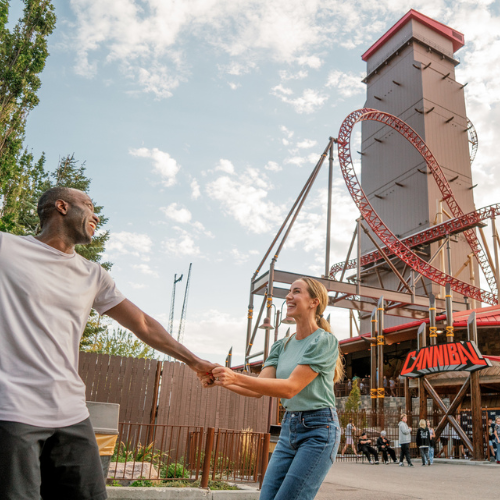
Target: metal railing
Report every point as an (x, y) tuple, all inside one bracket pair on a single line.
[(153, 452)]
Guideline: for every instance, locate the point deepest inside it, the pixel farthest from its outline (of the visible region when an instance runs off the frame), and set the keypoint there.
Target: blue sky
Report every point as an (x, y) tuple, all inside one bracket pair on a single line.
[(199, 122)]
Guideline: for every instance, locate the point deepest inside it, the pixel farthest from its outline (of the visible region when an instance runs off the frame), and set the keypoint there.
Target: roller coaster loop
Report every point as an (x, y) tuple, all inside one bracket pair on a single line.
[(396, 246)]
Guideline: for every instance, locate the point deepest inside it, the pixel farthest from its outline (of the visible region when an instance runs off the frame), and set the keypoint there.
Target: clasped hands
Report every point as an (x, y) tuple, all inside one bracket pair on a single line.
[(220, 375)]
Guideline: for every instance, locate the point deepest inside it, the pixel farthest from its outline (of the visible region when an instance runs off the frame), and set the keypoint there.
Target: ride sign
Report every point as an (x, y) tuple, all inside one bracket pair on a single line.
[(449, 357)]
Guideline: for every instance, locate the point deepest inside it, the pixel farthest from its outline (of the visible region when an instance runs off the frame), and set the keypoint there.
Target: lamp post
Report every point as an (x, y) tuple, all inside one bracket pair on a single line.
[(267, 324)]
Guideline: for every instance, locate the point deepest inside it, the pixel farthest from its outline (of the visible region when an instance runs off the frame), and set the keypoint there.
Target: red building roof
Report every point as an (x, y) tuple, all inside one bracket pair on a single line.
[(456, 37)]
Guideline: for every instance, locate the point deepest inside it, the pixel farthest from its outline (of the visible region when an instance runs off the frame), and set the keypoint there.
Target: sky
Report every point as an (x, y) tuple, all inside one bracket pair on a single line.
[(199, 122)]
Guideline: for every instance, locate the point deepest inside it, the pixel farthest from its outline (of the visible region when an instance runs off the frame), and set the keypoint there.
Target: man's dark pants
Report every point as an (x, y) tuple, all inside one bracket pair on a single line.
[(54, 463)]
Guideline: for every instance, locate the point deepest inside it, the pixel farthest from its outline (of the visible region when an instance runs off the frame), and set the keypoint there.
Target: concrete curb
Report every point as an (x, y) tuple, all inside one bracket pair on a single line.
[(448, 461), (129, 493)]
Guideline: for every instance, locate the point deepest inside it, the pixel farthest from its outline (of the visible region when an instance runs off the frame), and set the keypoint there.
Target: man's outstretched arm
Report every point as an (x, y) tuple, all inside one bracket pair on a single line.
[(153, 334)]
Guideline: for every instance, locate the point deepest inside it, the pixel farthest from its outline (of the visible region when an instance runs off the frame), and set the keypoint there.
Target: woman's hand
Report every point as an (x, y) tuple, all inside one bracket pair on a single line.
[(206, 379), (224, 376)]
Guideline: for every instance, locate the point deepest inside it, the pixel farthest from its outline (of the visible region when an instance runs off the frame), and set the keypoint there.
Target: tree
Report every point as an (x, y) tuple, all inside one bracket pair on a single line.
[(354, 399), (120, 342), (23, 53)]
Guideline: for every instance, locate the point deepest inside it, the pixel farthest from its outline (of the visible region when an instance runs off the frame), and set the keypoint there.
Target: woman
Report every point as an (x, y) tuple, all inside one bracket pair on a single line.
[(424, 441), (384, 446), (404, 441), (300, 370), (432, 447)]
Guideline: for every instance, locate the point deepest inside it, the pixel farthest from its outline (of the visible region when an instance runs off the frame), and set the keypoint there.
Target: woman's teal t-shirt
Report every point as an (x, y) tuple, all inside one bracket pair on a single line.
[(320, 351)]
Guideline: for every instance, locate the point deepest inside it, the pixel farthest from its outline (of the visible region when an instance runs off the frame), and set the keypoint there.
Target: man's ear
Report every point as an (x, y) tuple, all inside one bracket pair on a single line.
[(62, 206)]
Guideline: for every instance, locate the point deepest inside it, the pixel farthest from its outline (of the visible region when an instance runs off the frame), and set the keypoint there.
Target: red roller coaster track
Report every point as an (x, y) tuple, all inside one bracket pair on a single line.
[(396, 246), (428, 235)]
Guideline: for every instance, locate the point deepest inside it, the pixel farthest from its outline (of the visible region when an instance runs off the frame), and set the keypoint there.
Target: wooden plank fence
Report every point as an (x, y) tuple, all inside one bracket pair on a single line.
[(151, 391)]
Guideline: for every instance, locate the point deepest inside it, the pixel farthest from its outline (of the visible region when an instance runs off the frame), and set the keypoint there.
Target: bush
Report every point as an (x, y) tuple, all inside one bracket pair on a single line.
[(142, 483), (174, 470)]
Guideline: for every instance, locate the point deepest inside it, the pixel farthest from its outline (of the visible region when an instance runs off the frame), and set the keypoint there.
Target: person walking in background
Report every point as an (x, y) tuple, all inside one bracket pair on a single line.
[(392, 386), (404, 441), (423, 441), (301, 370), (433, 442), (365, 446), (350, 428), (384, 446), (496, 433), (443, 439)]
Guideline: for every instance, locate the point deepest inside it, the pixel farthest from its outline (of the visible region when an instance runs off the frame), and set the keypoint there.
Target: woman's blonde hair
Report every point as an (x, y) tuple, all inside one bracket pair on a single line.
[(318, 291), (403, 415), (422, 424)]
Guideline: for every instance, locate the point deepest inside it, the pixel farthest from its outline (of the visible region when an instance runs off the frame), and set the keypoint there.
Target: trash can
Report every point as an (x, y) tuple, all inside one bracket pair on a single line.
[(104, 419)]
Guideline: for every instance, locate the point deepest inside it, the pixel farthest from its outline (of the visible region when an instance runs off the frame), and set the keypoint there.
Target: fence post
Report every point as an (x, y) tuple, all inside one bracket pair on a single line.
[(265, 458), (208, 455)]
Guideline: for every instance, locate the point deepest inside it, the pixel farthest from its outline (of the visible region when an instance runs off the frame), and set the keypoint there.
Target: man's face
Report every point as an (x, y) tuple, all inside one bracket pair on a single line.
[(80, 220)]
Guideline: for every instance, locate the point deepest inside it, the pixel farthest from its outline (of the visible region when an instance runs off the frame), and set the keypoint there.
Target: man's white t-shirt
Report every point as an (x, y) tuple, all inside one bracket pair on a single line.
[(45, 300)]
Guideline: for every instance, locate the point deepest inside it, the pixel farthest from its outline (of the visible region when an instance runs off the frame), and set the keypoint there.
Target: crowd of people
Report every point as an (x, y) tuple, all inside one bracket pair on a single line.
[(381, 448), (393, 386)]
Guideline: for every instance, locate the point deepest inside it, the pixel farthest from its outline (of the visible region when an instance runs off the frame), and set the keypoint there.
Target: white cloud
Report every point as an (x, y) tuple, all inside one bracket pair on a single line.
[(306, 143), (346, 84), (234, 86), (177, 213), (183, 245), (225, 166), (310, 101), (145, 269), (273, 166), (163, 164), (312, 61), (195, 189), (279, 89), (125, 243), (288, 75), (245, 199), (137, 286), (287, 132), (237, 68)]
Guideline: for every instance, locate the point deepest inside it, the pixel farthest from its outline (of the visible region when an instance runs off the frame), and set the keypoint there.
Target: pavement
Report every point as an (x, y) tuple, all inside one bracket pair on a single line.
[(453, 481)]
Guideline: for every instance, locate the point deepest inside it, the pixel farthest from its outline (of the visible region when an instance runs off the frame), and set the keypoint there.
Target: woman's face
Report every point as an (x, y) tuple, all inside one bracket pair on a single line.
[(299, 302), (404, 419), (428, 423)]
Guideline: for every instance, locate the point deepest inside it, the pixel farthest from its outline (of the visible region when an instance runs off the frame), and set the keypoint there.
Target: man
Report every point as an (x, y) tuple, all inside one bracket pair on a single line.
[(364, 446), (48, 446)]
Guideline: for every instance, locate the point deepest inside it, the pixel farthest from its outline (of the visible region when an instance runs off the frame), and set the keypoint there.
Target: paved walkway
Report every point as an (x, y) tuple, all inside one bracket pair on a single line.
[(353, 481)]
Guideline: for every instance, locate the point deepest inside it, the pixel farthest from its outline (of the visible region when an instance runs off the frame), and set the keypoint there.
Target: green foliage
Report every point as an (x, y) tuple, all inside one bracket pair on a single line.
[(125, 452), (142, 482), (174, 470), (23, 52), (354, 399), (117, 342)]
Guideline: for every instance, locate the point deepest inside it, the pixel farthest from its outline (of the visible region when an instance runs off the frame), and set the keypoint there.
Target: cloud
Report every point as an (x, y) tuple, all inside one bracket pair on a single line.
[(163, 164), (237, 68), (245, 199), (287, 132), (306, 143), (346, 84), (288, 75), (234, 86), (183, 245), (176, 213), (145, 269), (195, 189), (310, 101), (273, 166), (137, 286), (225, 166), (125, 243)]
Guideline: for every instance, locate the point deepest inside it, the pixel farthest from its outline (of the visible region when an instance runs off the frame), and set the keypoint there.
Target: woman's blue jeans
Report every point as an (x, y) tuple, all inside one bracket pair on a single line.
[(306, 450)]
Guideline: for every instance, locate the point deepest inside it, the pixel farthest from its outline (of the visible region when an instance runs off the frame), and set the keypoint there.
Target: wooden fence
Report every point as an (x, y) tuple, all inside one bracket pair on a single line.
[(151, 391)]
